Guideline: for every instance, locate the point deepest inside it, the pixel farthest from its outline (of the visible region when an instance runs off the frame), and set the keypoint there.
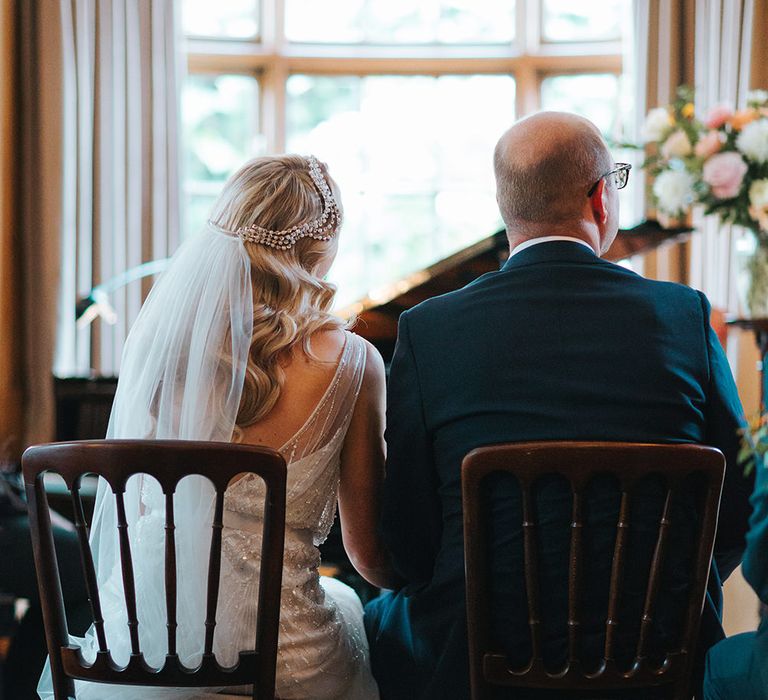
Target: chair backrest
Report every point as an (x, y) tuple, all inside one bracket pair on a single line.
[(579, 463), (168, 461)]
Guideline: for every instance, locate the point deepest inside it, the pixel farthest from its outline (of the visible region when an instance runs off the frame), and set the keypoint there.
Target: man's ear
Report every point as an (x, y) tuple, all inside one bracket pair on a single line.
[(598, 203)]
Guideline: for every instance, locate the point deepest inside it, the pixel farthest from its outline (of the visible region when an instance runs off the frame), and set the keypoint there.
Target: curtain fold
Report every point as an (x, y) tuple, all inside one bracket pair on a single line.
[(39, 178), (729, 45), (121, 193), (663, 59), (89, 187), (11, 390)]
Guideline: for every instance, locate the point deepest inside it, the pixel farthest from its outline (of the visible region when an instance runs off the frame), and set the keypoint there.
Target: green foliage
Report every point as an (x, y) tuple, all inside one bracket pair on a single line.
[(754, 444)]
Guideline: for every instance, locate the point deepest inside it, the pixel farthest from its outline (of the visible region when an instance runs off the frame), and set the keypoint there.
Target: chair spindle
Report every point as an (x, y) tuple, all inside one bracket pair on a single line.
[(531, 572), (654, 580), (129, 586), (574, 578), (617, 576), (170, 573), (89, 570), (214, 569)]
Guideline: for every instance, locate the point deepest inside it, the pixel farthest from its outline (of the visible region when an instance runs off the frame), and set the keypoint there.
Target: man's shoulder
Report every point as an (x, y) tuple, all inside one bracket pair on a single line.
[(631, 276), (676, 296), (629, 281), (442, 304)]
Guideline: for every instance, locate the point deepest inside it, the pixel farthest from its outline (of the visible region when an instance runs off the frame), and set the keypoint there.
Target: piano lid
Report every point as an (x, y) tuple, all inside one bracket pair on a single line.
[(377, 313)]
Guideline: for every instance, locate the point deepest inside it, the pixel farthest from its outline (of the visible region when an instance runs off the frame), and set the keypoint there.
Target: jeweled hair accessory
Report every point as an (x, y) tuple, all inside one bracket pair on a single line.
[(322, 229)]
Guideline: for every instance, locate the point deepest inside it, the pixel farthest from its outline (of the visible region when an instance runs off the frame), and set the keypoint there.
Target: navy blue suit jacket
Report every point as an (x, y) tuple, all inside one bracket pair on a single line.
[(557, 345)]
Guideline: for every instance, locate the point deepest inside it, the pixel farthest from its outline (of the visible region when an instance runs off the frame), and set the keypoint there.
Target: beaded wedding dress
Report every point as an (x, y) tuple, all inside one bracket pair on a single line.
[(181, 378), (322, 649)]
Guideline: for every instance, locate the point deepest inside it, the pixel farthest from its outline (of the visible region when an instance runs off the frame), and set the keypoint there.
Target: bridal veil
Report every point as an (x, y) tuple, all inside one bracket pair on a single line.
[(181, 377)]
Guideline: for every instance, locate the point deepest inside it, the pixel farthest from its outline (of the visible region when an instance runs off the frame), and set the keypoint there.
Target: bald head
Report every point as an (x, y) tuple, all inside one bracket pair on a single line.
[(544, 165)]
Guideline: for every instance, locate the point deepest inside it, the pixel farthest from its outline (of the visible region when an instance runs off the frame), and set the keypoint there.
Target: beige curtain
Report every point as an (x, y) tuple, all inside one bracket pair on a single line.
[(11, 395), (39, 177), (663, 59), (89, 184), (121, 171), (730, 44)]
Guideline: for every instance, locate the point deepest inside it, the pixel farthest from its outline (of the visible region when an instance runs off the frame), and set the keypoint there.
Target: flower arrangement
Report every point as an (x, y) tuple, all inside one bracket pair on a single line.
[(720, 161)]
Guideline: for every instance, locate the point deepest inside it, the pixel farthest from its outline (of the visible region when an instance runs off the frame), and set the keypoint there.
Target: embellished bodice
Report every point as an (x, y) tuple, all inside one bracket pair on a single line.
[(311, 631), (312, 455)]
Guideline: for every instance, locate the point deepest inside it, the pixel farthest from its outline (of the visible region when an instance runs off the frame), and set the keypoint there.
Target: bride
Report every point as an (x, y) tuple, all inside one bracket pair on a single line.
[(236, 342)]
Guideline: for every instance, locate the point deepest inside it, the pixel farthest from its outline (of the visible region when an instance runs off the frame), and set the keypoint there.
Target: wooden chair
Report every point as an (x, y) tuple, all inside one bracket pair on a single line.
[(579, 463), (167, 461)]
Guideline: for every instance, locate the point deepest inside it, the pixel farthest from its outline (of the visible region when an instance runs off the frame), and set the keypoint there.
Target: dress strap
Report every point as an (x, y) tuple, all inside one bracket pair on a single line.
[(334, 410)]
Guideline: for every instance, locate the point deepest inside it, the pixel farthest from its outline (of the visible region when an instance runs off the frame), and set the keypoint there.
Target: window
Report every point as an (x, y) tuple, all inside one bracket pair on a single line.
[(220, 131), (233, 19), (565, 21), (400, 22), (403, 100)]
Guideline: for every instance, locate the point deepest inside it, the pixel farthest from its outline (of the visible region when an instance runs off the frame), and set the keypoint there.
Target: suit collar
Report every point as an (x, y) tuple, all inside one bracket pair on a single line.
[(552, 251), (520, 247)]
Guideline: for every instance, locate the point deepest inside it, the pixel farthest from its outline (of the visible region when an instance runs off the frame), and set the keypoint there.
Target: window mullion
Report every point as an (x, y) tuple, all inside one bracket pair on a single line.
[(272, 25), (531, 27), (527, 88), (273, 106), (274, 76)]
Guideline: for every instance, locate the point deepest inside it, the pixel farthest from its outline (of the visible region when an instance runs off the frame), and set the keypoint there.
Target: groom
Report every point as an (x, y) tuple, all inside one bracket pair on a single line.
[(557, 345)]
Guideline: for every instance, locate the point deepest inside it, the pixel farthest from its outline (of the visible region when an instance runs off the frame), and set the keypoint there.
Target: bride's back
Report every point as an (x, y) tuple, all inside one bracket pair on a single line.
[(239, 334), (305, 382)]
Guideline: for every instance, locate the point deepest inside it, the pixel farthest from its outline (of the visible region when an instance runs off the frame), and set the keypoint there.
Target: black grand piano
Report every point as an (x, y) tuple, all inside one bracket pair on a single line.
[(83, 404)]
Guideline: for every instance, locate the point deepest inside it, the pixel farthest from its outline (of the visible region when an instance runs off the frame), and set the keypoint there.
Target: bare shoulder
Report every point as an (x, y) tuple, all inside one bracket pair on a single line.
[(374, 366), (327, 344)]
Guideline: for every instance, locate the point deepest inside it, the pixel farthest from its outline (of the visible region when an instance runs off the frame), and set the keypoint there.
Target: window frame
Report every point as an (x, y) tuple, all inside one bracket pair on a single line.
[(271, 59)]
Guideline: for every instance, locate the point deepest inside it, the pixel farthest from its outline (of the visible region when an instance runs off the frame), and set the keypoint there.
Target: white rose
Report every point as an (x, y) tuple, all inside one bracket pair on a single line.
[(673, 190), (657, 124), (677, 145), (758, 194), (753, 141), (757, 97)]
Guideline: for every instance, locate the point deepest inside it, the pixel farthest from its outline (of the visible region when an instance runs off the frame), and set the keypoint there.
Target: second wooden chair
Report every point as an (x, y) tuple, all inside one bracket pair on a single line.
[(690, 470)]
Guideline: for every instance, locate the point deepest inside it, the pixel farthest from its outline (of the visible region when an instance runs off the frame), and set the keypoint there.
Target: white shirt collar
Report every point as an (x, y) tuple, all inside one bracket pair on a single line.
[(546, 239)]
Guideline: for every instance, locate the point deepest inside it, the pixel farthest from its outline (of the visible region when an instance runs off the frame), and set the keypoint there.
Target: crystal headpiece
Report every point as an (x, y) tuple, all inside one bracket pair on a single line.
[(322, 229)]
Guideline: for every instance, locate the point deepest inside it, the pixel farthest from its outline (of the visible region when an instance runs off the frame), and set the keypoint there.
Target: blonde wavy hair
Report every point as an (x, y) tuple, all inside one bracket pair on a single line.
[(291, 301)]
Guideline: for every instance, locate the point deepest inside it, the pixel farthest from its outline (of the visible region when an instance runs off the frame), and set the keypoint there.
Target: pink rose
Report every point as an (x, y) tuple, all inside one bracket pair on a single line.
[(717, 116), (724, 173), (709, 144)]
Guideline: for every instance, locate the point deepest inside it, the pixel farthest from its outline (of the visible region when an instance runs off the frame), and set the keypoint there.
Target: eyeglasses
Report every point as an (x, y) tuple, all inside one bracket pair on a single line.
[(621, 171)]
